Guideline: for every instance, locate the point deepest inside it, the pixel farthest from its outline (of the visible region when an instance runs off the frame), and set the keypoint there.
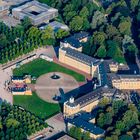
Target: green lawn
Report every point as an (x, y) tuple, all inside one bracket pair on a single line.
[(36, 105), (39, 66)]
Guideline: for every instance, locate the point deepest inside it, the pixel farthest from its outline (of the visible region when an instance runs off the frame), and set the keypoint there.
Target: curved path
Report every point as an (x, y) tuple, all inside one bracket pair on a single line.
[(47, 88)]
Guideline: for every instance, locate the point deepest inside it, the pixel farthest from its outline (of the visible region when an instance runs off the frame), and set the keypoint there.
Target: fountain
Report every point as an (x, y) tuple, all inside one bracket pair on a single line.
[(55, 76)]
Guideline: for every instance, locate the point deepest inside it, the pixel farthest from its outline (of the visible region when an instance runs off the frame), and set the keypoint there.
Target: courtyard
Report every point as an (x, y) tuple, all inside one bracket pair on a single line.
[(45, 88)]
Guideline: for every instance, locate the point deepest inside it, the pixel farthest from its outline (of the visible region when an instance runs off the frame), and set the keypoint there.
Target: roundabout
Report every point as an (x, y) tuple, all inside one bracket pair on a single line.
[(52, 86)]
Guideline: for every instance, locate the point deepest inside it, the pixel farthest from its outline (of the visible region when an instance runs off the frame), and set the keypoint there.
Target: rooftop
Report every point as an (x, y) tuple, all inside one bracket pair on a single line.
[(65, 137), (18, 89), (34, 9), (88, 126), (75, 39), (17, 78), (80, 56), (123, 76), (95, 95), (73, 42), (55, 25), (81, 35)]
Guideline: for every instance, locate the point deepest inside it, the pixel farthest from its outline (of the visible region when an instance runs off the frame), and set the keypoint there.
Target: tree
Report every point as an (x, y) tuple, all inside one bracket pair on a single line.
[(111, 31), (132, 49), (118, 105), (12, 122), (111, 48), (78, 133), (86, 24), (133, 4), (120, 125), (86, 136), (125, 137), (119, 57), (61, 33), (26, 23), (3, 40), (101, 52), (47, 36), (84, 13), (76, 24), (104, 102), (99, 38), (130, 118), (98, 19), (72, 131), (125, 26)]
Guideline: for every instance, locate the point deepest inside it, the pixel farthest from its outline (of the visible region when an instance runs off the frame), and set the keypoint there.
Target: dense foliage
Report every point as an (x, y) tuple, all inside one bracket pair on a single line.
[(113, 25), (120, 119), (16, 123)]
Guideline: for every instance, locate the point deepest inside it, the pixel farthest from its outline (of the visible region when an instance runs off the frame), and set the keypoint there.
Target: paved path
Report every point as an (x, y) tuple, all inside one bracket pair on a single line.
[(57, 122), (4, 94)]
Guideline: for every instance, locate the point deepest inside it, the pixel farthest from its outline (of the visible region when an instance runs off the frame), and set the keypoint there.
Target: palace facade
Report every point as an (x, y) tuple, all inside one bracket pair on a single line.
[(125, 82), (78, 60)]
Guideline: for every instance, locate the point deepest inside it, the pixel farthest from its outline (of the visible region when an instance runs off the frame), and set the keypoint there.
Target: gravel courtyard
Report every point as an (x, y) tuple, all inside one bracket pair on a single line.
[(47, 88)]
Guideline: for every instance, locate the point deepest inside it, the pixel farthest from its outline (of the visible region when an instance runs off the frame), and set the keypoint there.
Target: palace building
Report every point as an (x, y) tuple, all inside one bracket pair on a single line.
[(90, 100), (79, 112), (78, 60), (125, 82)]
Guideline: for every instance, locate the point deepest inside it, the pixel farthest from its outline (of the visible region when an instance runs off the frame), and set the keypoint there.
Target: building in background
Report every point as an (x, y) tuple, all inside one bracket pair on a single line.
[(38, 13), (4, 8)]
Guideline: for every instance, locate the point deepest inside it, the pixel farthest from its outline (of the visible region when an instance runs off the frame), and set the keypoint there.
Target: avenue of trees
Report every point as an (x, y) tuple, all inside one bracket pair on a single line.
[(120, 120), (24, 38), (112, 27), (78, 134), (17, 124)]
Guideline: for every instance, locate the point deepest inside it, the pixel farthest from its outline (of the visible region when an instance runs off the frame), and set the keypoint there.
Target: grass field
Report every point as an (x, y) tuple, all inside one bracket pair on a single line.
[(36, 105), (39, 67)]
